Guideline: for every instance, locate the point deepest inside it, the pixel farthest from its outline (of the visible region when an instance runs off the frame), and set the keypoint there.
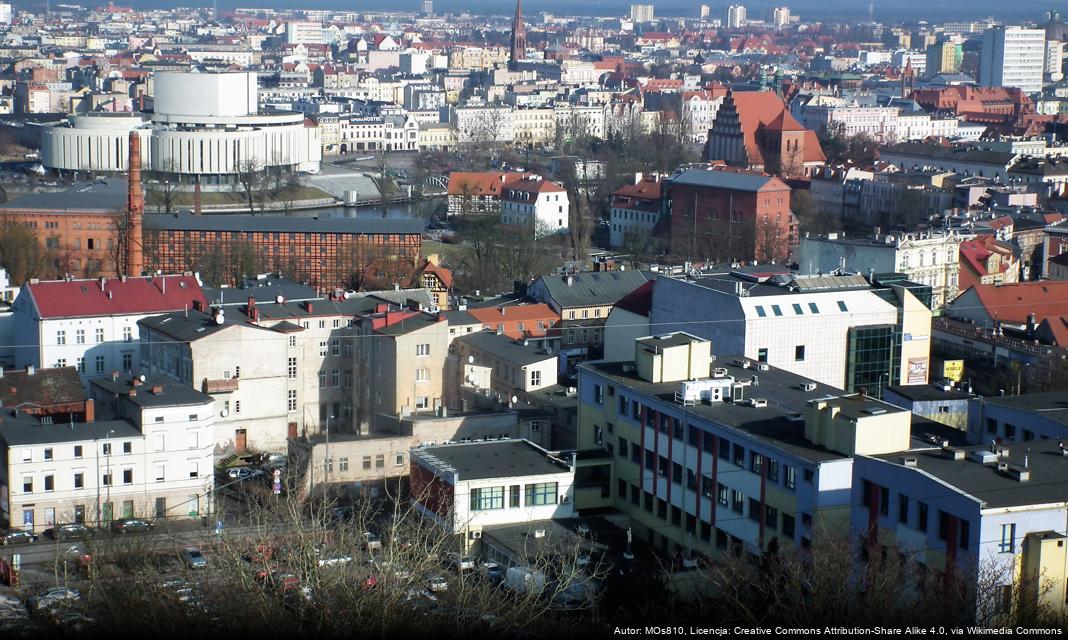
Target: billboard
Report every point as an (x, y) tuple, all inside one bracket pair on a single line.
[(917, 370), (953, 370)]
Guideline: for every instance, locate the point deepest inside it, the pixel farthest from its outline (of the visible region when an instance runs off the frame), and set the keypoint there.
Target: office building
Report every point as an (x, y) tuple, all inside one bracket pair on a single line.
[(838, 330), (641, 12), (703, 12), (780, 17), (1013, 57), (735, 16), (426, 7)]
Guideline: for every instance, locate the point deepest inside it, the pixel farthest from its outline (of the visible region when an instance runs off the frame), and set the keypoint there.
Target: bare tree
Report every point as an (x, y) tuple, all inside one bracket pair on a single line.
[(250, 180)]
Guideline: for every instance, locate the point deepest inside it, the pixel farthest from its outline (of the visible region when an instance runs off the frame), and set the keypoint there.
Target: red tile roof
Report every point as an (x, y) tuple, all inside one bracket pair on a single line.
[(758, 109), (484, 183), (85, 298), (1055, 330), (531, 185), (511, 316), (1012, 302)]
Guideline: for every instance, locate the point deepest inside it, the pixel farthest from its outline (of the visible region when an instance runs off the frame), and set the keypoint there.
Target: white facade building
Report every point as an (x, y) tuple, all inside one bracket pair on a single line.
[(1013, 57), (304, 32), (216, 136), (92, 324), (539, 204), (536, 486), (735, 16), (780, 17), (641, 12)]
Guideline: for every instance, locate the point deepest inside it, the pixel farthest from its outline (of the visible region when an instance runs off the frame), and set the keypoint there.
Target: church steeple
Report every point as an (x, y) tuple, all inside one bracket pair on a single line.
[(518, 50)]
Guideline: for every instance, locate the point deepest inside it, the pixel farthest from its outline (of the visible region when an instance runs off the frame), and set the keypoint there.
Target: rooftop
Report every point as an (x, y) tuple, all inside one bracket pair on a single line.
[(19, 429), (154, 392), (43, 388), (594, 288), (995, 489), (98, 195), (502, 347), (927, 392), (282, 224), (734, 180), (777, 424), (500, 459), (1052, 405), (114, 296)]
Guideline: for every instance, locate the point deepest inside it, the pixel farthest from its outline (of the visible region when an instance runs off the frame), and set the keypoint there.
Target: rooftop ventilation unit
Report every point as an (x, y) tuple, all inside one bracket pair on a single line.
[(983, 456), (908, 461), (953, 453), (809, 386), (758, 403)]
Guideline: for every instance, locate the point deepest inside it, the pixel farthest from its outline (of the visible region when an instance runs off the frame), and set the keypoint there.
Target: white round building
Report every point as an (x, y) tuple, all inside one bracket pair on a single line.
[(203, 124)]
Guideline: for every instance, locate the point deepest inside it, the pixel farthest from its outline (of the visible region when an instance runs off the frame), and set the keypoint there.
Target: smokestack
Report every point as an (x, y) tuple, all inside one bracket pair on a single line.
[(135, 210)]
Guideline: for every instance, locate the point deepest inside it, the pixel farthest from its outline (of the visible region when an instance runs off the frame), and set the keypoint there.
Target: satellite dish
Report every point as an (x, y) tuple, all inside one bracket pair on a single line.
[(515, 399), (141, 377), (279, 299), (219, 319), (224, 412), (471, 359)]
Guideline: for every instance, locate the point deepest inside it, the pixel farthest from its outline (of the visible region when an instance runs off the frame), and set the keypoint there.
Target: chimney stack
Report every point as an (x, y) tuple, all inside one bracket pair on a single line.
[(135, 210), (90, 410), (197, 204)]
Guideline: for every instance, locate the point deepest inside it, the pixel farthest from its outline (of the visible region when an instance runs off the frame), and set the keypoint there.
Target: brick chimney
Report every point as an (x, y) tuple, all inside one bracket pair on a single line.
[(90, 410), (135, 210)]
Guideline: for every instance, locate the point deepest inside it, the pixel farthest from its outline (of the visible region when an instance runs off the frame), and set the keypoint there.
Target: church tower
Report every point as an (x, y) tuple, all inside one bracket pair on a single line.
[(519, 37)]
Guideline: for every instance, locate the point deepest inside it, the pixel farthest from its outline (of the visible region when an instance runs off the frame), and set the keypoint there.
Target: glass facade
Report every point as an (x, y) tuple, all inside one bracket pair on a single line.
[(872, 354)]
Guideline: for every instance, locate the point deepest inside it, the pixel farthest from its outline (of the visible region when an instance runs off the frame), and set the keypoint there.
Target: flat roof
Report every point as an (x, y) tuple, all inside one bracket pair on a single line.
[(98, 195), (1047, 465), (1052, 404), (927, 392), (495, 459), (774, 424)]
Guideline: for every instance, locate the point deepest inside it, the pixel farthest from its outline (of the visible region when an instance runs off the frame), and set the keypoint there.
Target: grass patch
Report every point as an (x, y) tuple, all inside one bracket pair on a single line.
[(184, 199)]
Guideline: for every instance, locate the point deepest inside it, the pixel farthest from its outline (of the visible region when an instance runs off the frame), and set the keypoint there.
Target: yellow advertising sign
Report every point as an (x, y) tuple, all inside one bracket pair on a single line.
[(953, 370)]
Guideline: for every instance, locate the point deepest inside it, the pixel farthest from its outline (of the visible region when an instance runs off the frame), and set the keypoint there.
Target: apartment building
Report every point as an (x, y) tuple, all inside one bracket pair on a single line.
[(929, 258), (100, 470), (1013, 56), (837, 330), (540, 205), (724, 455), (583, 301), (635, 210), (493, 362), (1017, 418), (399, 358), (92, 324)]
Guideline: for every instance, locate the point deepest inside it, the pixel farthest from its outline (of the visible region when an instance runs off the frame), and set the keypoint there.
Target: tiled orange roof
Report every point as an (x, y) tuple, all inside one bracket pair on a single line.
[(484, 183)]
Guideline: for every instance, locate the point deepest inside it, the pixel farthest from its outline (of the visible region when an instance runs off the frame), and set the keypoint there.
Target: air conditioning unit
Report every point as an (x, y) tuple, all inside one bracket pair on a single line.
[(475, 535), (809, 386), (758, 403), (763, 366)]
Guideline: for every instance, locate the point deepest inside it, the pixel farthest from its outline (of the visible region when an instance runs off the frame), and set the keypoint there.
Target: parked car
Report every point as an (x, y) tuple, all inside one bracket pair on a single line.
[(192, 558), (17, 536), (72, 531), (437, 583), (52, 597), (460, 562), (371, 541), (242, 473), (493, 572), (131, 525)]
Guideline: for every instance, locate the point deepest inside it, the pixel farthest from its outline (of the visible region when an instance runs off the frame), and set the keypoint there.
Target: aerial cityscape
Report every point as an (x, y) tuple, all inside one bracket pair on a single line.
[(546, 318)]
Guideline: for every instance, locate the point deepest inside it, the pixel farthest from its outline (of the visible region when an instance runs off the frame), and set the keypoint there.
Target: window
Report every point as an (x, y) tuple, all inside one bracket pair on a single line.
[(79, 336), (487, 498), (292, 341), (762, 355), (788, 525), (789, 476), (77, 451), (739, 455), (106, 449), (1008, 538), (721, 494), (598, 394), (535, 378), (127, 448), (771, 517), (335, 347), (99, 335), (335, 378), (513, 496), (676, 473), (724, 449), (48, 453), (921, 511), (756, 462), (422, 350), (61, 337), (737, 500), (27, 484), (776, 310), (322, 348), (100, 364), (541, 493), (292, 368), (842, 306), (292, 399), (760, 311), (773, 470), (902, 508), (127, 361), (80, 363), (380, 461), (127, 476), (799, 353), (422, 375), (160, 472), (814, 309), (50, 482), (127, 334), (754, 509), (797, 309), (106, 481), (193, 468), (366, 462), (343, 464), (61, 362), (79, 480)]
